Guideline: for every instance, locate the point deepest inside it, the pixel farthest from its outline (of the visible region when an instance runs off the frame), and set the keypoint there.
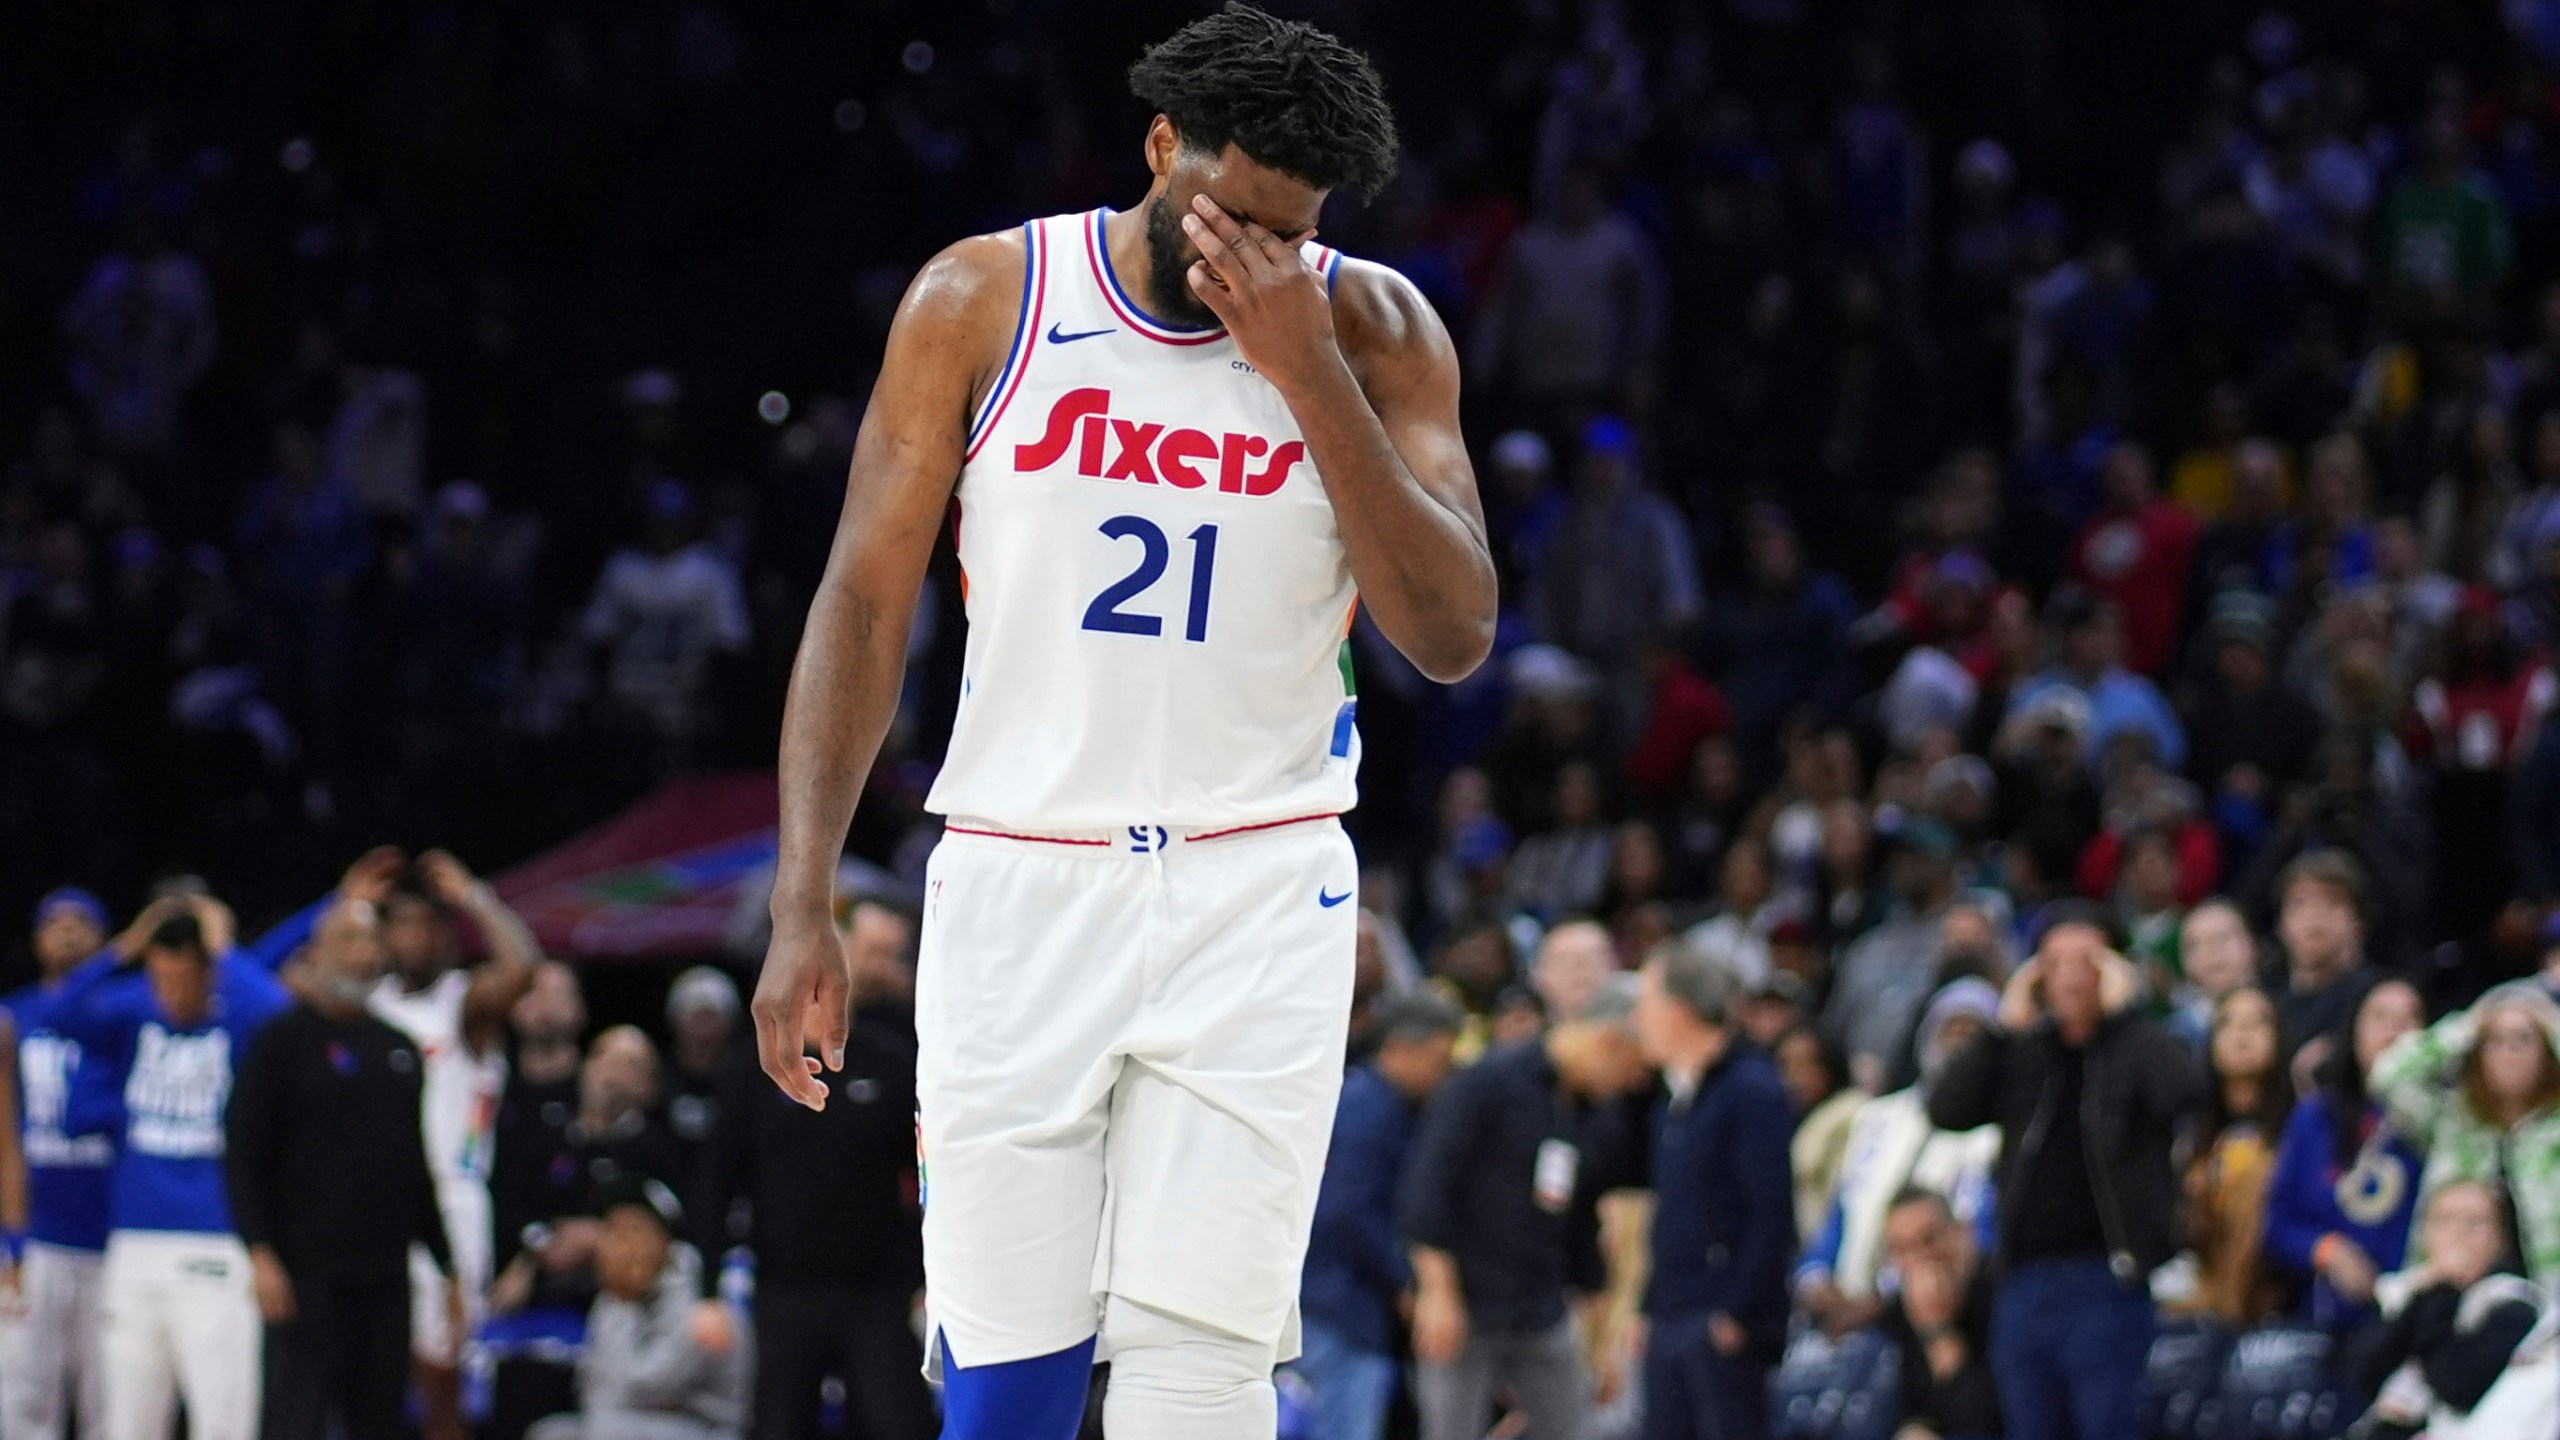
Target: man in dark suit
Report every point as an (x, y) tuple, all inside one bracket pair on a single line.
[(1724, 1207)]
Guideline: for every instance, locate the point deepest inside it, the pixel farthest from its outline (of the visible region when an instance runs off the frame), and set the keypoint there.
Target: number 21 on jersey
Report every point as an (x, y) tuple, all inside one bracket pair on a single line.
[(1106, 614)]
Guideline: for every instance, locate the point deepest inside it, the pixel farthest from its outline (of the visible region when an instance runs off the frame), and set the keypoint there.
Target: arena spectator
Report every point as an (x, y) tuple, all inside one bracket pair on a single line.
[(2232, 1146), (1576, 962), (2320, 926), (2464, 1352), (549, 1024), (2088, 1195), (1357, 1272), (1497, 1208), (1618, 570), (2136, 552), (2346, 1183), (1715, 1301), (547, 1223), (702, 1014), (1569, 328), (305, 546), (1564, 870), (1889, 974), (2217, 956), (2253, 738), (178, 1317), (2442, 233), (1824, 1105), (2479, 1094), (662, 614), (1940, 1321), (643, 1373), (140, 334), (1737, 935), (2088, 643), (1893, 1146), (831, 1202), (2476, 716), (1778, 642), (330, 1184)]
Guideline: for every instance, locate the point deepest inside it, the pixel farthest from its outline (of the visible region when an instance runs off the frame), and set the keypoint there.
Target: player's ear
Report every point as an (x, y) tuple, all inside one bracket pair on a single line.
[(1162, 141)]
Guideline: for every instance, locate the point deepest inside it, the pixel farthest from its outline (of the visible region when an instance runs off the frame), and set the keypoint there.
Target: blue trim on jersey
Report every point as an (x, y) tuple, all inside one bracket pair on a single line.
[(1342, 723), (1332, 268), (1019, 351), (1102, 248)]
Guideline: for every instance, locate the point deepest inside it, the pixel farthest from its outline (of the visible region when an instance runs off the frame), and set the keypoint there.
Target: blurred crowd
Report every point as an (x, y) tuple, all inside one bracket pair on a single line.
[(1985, 492)]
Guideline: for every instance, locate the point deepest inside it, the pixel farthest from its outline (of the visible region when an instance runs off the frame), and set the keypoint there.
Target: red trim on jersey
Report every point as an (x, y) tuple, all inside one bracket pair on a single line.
[(1018, 367), (1009, 835), (1126, 308), (1266, 825)]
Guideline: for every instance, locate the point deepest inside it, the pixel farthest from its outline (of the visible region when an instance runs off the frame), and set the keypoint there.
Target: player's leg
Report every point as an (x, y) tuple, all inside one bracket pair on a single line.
[(133, 1340), (83, 1274), (1026, 979), (1041, 1398), (438, 1347), (214, 1333), (35, 1348), (1174, 1378), (1218, 1132)]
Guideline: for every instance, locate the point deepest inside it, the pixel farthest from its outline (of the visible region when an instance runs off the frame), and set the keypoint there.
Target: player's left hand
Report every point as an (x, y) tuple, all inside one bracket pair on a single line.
[(1266, 293)]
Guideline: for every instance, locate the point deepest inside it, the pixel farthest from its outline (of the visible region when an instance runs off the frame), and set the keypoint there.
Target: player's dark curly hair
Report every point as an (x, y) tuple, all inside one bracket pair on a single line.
[(1289, 95)]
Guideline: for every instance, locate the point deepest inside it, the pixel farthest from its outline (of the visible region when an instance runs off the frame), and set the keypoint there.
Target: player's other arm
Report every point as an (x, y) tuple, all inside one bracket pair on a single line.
[(1372, 380), (951, 334)]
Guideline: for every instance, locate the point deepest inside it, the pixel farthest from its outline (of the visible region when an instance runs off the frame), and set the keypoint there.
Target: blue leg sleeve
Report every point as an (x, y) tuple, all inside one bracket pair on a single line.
[(1041, 1398)]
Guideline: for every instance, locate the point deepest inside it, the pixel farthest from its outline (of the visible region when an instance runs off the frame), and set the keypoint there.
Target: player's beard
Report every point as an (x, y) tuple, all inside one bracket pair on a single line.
[(1169, 257)]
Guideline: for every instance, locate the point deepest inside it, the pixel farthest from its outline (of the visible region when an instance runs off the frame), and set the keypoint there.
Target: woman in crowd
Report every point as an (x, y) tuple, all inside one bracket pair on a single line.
[(2346, 1181), (2480, 1093), (1816, 1075), (2233, 1157), (2468, 1349), (1738, 933)]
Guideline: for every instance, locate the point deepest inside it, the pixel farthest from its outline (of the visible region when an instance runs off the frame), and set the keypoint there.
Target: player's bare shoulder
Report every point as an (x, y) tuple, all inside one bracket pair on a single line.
[(1386, 329), (959, 313)]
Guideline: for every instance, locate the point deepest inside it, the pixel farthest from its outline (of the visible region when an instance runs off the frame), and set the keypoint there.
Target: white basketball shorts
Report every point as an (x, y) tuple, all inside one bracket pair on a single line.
[(1130, 1045)]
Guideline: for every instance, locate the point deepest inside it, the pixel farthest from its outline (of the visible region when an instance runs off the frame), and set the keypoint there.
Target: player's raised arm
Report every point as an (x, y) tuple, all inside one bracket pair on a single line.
[(1372, 379), (951, 334)]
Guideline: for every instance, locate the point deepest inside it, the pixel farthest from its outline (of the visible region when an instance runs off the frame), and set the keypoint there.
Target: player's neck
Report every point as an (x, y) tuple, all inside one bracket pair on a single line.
[(1124, 243)]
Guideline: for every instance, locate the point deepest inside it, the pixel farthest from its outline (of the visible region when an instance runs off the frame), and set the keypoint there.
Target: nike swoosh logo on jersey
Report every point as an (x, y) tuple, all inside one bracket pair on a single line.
[(1329, 901), (1059, 337)]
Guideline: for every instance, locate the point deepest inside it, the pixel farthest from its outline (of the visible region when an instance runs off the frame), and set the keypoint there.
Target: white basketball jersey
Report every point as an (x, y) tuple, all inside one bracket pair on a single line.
[(460, 1105), (1157, 593)]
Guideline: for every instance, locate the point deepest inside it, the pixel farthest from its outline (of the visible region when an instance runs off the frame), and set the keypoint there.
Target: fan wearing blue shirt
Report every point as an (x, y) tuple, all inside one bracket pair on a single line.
[(177, 1312)]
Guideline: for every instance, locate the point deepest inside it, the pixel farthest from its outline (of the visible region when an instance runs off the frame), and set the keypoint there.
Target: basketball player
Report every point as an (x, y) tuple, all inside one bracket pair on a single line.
[(457, 1017), (1182, 439)]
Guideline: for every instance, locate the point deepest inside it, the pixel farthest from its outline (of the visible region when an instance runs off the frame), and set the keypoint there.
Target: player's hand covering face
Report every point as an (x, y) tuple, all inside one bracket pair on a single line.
[(1266, 294)]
